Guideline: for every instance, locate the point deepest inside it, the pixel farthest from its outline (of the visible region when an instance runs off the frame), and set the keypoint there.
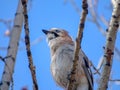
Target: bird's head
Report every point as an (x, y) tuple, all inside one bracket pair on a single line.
[(57, 36)]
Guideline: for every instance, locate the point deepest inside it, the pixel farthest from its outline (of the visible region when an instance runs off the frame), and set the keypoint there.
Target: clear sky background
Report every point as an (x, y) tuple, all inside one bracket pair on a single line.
[(45, 14)]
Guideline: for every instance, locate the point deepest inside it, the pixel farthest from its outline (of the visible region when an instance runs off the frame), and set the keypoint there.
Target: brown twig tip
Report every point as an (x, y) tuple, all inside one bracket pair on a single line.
[(85, 6), (24, 2)]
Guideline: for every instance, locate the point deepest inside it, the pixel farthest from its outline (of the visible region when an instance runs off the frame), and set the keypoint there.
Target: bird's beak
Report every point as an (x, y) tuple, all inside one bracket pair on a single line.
[(45, 31)]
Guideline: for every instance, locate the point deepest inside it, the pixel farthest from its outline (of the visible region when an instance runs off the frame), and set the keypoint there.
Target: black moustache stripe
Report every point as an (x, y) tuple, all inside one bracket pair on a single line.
[(56, 35)]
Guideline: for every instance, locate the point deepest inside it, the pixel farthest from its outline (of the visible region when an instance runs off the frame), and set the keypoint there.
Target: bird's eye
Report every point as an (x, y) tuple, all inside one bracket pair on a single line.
[(57, 31)]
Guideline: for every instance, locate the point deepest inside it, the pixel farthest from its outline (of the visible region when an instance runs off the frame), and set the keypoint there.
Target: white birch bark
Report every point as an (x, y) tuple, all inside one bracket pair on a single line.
[(12, 49), (110, 45)]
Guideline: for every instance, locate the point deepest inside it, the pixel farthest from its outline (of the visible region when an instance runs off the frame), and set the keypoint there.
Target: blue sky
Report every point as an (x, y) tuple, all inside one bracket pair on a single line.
[(45, 14)]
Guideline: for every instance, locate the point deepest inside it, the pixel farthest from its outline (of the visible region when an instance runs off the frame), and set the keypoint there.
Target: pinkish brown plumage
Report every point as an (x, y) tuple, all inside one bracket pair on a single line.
[(62, 51)]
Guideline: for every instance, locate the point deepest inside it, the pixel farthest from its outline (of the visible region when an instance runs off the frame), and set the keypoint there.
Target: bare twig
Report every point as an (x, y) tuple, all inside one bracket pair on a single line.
[(117, 53), (27, 42), (3, 59), (78, 44), (75, 6), (95, 17), (96, 70), (7, 23), (109, 49), (102, 18), (34, 42), (114, 80)]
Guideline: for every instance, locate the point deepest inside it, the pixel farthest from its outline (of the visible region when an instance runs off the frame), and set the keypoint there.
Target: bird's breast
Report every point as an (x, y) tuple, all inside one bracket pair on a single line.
[(61, 63)]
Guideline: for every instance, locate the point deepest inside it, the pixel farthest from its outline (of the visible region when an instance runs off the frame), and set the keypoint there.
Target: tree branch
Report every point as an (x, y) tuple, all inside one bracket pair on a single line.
[(27, 42), (109, 49), (12, 49), (78, 44)]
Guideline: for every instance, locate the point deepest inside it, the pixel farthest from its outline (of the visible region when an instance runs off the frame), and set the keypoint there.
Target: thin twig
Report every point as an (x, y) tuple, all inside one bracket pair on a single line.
[(3, 59), (78, 44), (7, 23), (114, 80), (96, 70), (95, 19), (27, 42), (75, 6), (95, 16)]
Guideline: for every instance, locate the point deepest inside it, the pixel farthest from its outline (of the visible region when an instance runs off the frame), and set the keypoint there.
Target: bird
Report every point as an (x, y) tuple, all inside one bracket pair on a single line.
[(62, 52)]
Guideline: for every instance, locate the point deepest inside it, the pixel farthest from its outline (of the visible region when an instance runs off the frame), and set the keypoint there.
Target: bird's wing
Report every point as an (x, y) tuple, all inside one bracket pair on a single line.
[(87, 70)]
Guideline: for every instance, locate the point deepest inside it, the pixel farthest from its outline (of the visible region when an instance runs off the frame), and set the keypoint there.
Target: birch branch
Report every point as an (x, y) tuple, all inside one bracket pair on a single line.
[(12, 49), (27, 42), (78, 44), (110, 44)]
